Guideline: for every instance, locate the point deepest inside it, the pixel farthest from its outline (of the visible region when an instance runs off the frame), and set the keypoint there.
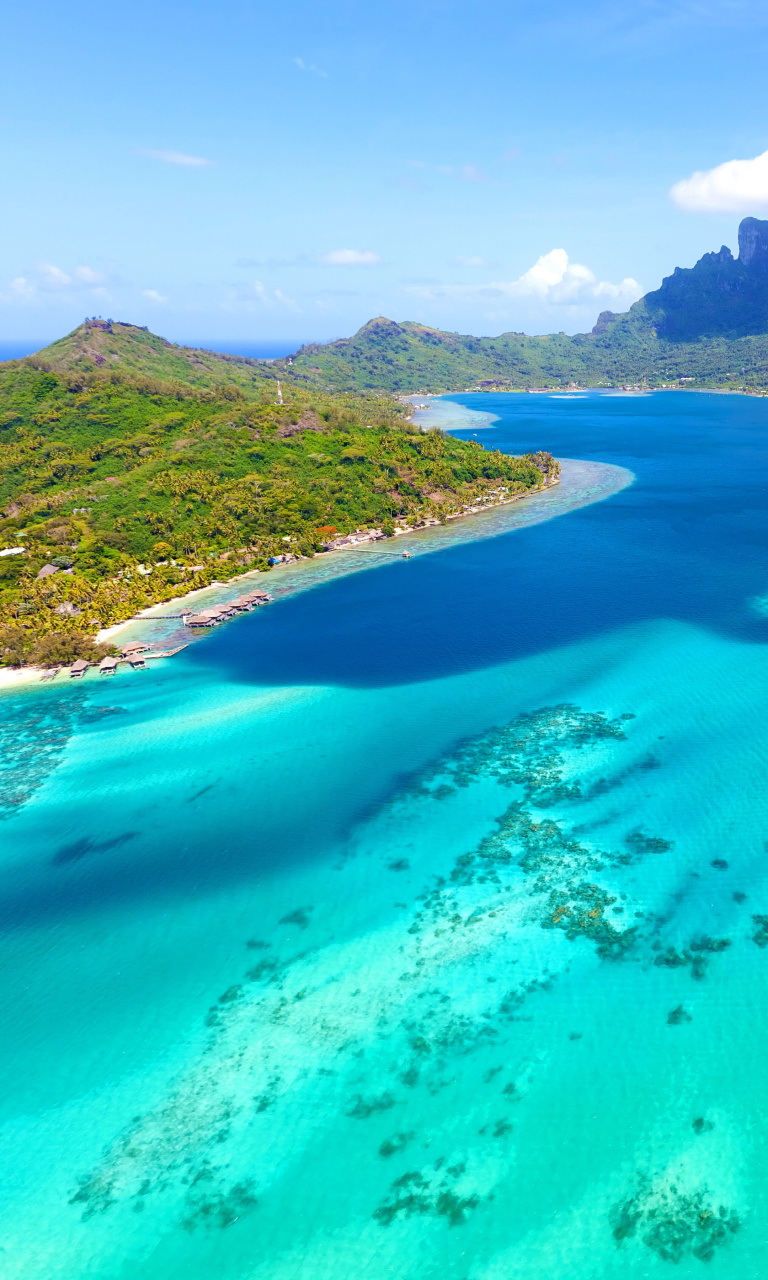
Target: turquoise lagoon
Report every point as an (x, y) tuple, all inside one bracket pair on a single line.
[(415, 926)]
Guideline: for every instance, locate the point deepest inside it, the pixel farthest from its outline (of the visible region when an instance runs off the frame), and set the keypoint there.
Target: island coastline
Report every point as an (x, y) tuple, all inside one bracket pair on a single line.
[(580, 484)]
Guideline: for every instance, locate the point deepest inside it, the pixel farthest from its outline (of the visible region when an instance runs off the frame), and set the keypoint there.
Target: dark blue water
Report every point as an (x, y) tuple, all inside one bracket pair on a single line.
[(689, 541)]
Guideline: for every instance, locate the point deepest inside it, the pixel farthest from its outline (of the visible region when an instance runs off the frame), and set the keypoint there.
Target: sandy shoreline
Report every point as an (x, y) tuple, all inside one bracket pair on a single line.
[(107, 633), (10, 677), (159, 626)]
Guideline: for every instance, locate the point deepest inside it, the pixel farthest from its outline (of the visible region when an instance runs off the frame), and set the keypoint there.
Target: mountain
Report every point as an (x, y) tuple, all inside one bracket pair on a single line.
[(105, 346), (721, 295), (707, 324)]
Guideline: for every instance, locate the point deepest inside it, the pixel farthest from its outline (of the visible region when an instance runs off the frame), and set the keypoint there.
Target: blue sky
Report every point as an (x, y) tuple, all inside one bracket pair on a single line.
[(251, 171)]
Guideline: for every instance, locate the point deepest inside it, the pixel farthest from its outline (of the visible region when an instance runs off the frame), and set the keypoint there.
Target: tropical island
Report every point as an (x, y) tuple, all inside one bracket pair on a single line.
[(135, 471)]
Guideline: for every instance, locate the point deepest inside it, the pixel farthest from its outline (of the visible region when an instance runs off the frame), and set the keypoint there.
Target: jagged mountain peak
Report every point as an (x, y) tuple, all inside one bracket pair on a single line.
[(753, 243)]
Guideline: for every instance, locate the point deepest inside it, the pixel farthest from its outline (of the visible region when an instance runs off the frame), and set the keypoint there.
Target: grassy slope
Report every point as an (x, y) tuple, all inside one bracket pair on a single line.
[(103, 346), (104, 468)]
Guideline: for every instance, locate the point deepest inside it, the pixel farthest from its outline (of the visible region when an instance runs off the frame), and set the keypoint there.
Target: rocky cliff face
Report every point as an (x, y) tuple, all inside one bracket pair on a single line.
[(721, 296), (753, 244)]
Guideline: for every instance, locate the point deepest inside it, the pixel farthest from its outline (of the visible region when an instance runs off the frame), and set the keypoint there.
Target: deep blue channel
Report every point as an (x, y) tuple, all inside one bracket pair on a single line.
[(688, 540)]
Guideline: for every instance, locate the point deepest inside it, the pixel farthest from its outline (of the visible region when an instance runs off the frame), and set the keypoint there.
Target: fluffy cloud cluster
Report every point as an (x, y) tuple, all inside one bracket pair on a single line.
[(553, 279), (48, 278), (738, 186), (48, 285)]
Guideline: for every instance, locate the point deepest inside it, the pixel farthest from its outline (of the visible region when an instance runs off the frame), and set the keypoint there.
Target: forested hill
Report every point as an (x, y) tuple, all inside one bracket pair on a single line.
[(132, 470), (106, 346), (707, 323)]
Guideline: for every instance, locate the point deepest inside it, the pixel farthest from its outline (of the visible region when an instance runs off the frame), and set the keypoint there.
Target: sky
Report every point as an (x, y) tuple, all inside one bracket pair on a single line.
[(251, 172)]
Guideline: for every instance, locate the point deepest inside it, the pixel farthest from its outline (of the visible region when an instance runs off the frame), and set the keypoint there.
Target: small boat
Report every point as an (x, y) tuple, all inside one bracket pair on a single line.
[(407, 555)]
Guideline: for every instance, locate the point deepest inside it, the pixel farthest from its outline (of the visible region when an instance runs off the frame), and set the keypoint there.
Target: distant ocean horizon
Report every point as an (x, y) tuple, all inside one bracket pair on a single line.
[(256, 349)]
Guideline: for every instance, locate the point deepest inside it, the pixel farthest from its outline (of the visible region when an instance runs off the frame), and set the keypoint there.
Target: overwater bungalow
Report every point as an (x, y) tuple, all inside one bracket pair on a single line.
[(244, 604), (135, 646), (136, 661), (211, 617), (78, 669), (108, 666), (208, 617), (216, 613)]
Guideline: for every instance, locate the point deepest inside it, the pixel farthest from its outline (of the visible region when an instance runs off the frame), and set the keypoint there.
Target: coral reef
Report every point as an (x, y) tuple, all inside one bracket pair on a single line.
[(760, 936), (672, 1223), (430, 1192)]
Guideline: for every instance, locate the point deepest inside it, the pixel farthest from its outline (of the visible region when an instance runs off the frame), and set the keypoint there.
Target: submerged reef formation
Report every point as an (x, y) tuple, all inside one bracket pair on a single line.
[(209, 1205), (33, 735), (536, 753), (359, 1041), (434, 1191), (527, 751), (694, 956), (674, 1223), (760, 935), (34, 732)]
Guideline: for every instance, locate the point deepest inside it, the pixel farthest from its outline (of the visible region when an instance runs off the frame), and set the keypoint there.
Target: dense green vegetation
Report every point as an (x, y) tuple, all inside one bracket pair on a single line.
[(621, 349), (136, 488)]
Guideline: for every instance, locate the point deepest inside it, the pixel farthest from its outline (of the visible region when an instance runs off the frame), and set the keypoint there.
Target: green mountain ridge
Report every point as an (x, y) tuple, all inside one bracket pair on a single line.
[(707, 323), (104, 346)]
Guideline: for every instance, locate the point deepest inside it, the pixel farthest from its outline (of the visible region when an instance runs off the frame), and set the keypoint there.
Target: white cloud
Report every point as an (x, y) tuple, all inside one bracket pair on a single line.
[(275, 298), (247, 296), (52, 276), (22, 287), (153, 295), (738, 186), (88, 275), (470, 261), (46, 278), (349, 258), (177, 157), (553, 279), (303, 66), (284, 301)]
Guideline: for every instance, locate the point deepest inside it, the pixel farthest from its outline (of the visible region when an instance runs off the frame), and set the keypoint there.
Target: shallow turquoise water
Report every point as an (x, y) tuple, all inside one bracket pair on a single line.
[(338, 947)]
